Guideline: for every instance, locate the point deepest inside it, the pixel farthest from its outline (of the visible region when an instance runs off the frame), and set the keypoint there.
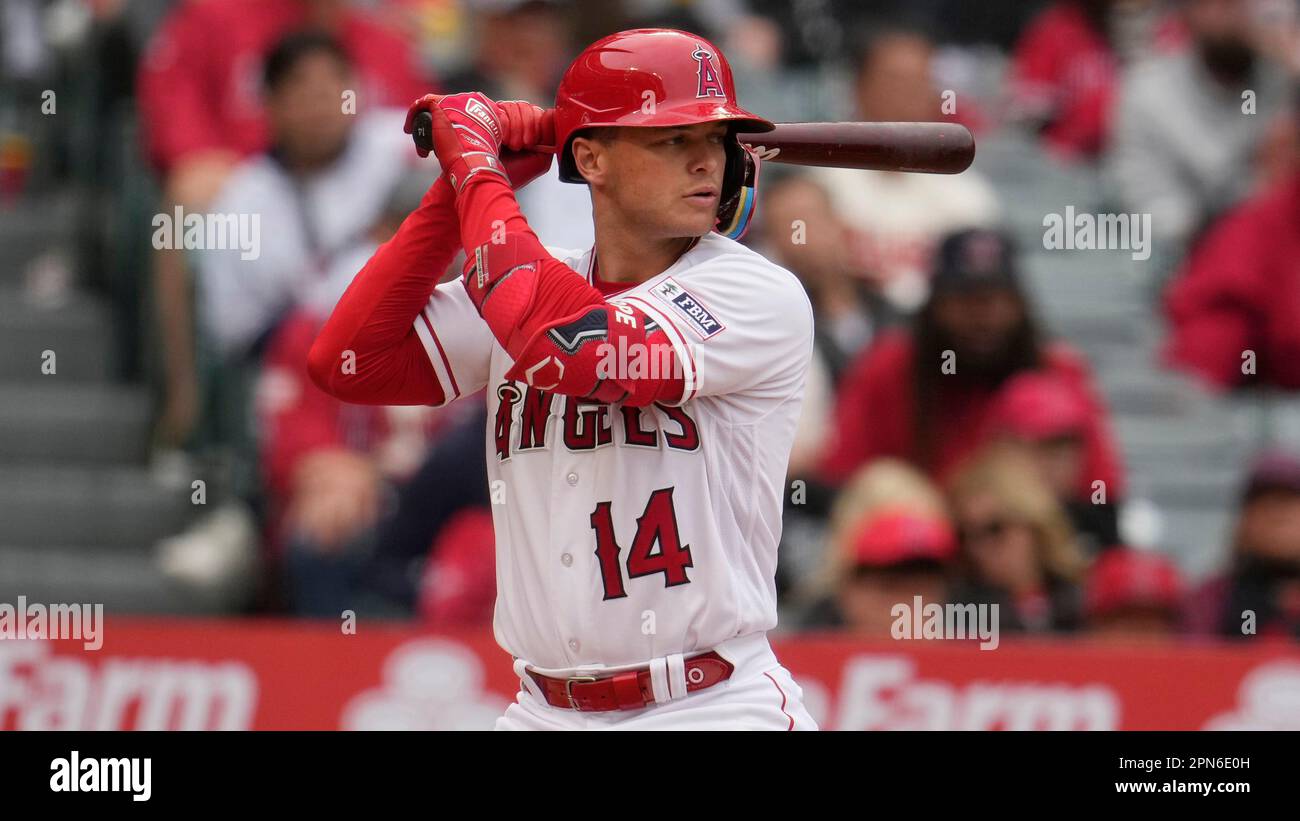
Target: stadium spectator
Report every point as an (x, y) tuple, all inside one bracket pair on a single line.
[(318, 192), (1063, 76), (1133, 595), (895, 219), (357, 494), (896, 557), (1260, 593), (890, 539), (1053, 420), (1234, 308), (201, 112), (1018, 550), (1188, 126), (200, 96), (926, 395), (521, 48), (459, 585), (802, 232)]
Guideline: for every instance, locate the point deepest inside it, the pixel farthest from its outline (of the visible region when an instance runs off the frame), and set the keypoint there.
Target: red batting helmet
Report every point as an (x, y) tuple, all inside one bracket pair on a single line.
[(659, 77)]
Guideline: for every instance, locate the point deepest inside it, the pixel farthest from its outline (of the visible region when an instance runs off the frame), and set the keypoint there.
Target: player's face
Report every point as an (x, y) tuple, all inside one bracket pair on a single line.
[(666, 181)]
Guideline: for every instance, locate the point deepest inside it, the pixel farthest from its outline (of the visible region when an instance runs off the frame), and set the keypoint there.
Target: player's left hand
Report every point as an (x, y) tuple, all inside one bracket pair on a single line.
[(507, 131), (466, 136)]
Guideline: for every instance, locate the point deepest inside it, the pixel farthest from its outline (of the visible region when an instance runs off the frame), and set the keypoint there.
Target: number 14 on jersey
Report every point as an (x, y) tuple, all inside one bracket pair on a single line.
[(657, 525)]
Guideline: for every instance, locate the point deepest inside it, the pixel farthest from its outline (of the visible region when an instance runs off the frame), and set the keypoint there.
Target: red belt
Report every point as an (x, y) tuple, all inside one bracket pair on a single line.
[(628, 690)]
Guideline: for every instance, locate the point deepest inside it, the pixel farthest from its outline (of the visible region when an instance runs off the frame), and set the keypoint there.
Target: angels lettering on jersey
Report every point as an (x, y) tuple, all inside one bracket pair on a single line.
[(522, 423)]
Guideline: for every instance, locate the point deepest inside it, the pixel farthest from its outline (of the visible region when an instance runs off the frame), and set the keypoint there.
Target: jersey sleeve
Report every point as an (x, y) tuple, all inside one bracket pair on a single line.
[(735, 326), (456, 340)]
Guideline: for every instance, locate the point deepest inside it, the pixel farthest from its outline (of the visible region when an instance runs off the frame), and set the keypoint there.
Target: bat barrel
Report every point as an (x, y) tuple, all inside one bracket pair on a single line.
[(933, 148)]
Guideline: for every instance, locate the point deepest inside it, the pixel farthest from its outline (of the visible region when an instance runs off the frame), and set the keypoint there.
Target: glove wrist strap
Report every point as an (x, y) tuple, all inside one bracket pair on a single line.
[(470, 163)]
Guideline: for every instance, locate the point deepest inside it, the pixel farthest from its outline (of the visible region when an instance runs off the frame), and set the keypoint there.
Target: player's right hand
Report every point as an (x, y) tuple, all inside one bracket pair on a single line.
[(525, 126)]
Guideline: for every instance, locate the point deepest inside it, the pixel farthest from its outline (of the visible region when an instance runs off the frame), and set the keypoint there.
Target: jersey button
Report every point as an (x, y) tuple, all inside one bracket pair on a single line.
[(572, 478), (567, 559), (573, 645)]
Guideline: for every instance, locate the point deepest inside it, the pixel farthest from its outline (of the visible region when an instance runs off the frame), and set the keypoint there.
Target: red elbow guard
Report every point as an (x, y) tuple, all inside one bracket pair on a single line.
[(561, 332)]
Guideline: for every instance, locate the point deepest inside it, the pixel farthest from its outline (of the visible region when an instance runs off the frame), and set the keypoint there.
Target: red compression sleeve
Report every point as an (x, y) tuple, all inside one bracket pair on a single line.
[(375, 318), (541, 311)]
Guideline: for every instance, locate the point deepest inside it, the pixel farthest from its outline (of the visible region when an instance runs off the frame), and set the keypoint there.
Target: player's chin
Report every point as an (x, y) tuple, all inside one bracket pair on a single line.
[(697, 224)]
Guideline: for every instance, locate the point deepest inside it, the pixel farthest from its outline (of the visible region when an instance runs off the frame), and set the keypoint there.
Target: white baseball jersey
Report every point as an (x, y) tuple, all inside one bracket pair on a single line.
[(627, 534)]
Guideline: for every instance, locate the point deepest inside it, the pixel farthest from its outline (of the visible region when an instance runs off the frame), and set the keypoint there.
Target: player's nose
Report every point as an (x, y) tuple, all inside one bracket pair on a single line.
[(706, 158)]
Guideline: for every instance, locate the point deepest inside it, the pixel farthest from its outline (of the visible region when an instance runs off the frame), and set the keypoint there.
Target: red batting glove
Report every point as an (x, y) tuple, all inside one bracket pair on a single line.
[(526, 126), (523, 127), (466, 135)]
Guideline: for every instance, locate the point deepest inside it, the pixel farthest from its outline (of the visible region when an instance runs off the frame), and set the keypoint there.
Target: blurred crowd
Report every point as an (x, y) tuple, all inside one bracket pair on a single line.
[(951, 446)]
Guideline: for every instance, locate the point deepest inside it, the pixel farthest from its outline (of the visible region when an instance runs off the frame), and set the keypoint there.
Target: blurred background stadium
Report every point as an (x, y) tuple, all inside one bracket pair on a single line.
[(1118, 461)]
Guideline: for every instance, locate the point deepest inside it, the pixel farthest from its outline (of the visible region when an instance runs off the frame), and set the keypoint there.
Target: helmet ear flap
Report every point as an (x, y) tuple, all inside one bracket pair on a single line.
[(568, 171), (739, 190)]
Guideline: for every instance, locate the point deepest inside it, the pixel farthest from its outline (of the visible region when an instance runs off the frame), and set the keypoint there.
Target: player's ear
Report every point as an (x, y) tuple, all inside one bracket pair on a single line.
[(591, 158)]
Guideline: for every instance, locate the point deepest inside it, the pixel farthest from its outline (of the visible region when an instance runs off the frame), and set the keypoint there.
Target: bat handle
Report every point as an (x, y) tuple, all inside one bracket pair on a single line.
[(422, 131), (422, 135)]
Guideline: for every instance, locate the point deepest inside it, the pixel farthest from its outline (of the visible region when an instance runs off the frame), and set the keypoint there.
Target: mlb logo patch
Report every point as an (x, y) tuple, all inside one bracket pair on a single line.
[(688, 307)]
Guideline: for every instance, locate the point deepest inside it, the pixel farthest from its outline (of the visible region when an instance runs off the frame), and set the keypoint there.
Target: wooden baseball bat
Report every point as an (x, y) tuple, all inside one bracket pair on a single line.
[(927, 148)]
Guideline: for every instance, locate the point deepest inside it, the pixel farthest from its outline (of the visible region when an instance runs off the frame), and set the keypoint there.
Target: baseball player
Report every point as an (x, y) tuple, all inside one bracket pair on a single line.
[(642, 394)]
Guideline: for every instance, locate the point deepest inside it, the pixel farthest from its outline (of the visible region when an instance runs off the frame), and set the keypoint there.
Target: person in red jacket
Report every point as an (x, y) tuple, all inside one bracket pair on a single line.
[(1234, 309), (1063, 76), (201, 112), (200, 80), (927, 395)]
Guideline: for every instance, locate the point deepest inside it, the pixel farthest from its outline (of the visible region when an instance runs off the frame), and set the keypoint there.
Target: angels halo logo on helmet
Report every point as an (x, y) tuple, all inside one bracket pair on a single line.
[(656, 78)]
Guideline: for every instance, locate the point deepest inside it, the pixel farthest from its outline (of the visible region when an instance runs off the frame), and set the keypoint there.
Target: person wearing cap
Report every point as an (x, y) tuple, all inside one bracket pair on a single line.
[(1133, 595), (889, 540), (896, 555), (1259, 595), (1052, 419), (926, 394)]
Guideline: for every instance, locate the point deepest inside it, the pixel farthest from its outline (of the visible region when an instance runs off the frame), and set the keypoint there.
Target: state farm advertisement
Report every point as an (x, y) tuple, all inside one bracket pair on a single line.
[(277, 675)]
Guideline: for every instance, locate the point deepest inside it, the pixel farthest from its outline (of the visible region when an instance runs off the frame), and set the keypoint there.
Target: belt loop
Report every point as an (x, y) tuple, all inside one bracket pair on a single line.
[(659, 680), (677, 675), (521, 670)]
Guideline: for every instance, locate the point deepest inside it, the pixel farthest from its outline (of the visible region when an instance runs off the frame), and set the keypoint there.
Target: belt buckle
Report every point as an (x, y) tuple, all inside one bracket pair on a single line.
[(568, 689)]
